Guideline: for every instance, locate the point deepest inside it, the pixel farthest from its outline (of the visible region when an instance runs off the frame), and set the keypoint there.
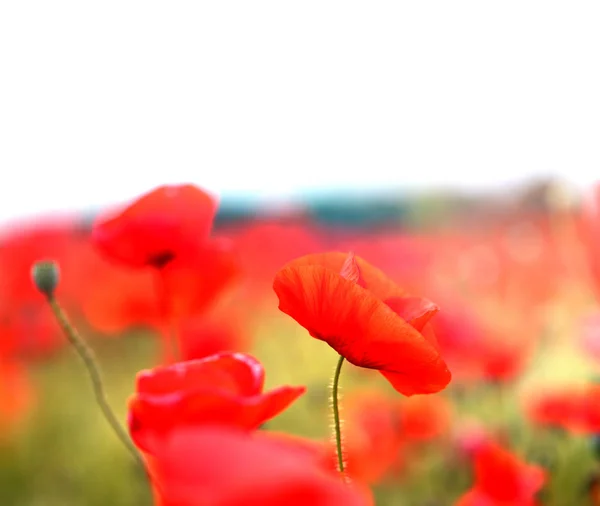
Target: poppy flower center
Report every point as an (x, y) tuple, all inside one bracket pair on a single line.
[(160, 259)]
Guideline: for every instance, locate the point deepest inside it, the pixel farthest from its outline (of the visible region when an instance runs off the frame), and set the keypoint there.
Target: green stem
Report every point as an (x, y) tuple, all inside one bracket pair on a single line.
[(336, 414), (88, 357)]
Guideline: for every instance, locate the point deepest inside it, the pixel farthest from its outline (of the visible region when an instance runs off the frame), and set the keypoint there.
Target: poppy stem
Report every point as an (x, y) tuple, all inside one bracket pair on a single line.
[(336, 414), (91, 364)]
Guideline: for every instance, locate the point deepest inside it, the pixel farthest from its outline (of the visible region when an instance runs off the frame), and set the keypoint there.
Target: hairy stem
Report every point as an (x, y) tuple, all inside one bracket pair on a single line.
[(336, 414)]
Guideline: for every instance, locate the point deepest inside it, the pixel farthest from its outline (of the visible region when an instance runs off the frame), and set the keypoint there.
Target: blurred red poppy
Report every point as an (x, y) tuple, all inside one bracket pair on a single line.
[(16, 396), (226, 388), (225, 467), (372, 440), (365, 317), (225, 328), (575, 409), (157, 227), (118, 298), (502, 479), (423, 418), (192, 282)]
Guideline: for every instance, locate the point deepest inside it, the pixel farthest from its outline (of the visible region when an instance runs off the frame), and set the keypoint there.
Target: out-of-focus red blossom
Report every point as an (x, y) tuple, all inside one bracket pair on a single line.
[(478, 349), (510, 259), (191, 284), (423, 418), (575, 409), (408, 257), (372, 440), (223, 329), (158, 227), (165, 232), (24, 316), (529, 250), (502, 479), (460, 334), (16, 395), (119, 298), (216, 466), (504, 360), (365, 317), (226, 388), (266, 246), (378, 430)]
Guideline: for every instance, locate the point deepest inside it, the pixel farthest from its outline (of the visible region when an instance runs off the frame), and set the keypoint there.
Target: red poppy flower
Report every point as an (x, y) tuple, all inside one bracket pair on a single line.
[(365, 317), (461, 338), (192, 282), (224, 467), (576, 409), (424, 418), (502, 479), (503, 360), (157, 227), (16, 396), (225, 388), (224, 329), (118, 298), (372, 440)]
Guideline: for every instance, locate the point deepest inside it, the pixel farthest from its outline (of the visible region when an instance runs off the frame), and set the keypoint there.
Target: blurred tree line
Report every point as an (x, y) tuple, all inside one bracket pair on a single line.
[(375, 210)]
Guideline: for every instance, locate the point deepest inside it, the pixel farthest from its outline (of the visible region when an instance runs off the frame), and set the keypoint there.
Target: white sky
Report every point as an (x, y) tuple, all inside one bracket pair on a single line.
[(100, 101)]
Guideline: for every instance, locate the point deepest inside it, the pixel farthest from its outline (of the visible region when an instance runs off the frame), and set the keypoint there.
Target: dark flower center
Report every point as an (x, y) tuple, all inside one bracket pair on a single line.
[(160, 259)]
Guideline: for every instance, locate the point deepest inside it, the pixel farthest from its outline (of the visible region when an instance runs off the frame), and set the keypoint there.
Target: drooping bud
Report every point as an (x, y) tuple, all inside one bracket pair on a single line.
[(45, 277)]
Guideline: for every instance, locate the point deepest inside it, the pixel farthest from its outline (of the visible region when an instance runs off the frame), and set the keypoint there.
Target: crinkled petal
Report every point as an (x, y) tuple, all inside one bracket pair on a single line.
[(372, 278), (359, 326)]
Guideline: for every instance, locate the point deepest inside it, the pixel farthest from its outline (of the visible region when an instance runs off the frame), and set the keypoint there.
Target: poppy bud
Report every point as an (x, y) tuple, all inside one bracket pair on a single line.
[(45, 277)]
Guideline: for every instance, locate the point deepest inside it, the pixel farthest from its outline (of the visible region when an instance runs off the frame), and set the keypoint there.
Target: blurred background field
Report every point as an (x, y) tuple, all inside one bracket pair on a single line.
[(514, 276), (453, 145)]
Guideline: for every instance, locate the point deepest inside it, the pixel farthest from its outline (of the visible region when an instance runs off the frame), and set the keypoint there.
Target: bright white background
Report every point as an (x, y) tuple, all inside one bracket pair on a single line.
[(100, 101)]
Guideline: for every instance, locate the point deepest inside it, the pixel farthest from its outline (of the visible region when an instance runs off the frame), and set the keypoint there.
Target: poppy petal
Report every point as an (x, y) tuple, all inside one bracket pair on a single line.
[(227, 468), (359, 326), (414, 310), (154, 417), (373, 279), (351, 271), (157, 226), (238, 373)]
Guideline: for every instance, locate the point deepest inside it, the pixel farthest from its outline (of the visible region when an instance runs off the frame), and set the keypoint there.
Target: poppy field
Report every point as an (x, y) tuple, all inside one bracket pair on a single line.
[(155, 353)]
